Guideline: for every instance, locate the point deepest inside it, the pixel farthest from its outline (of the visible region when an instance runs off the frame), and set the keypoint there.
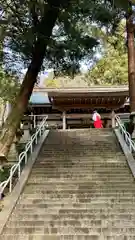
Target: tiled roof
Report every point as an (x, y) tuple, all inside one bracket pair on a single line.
[(39, 98)]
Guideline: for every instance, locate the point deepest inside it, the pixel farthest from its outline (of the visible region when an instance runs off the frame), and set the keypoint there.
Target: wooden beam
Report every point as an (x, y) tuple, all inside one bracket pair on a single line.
[(85, 106)]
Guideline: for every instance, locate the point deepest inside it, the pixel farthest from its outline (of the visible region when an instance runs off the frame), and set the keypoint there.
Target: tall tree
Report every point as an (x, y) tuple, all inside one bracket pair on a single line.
[(128, 7), (112, 68), (131, 55), (41, 38)]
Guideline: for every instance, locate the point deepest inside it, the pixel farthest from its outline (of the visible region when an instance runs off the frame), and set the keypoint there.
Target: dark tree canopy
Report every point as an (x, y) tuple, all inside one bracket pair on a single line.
[(69, 43)]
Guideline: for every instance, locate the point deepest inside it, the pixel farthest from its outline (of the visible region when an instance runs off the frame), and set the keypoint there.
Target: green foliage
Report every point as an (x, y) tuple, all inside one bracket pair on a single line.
[(52, 83), (122, 4), (9, 86), (69, 42), (63, 81), (112, 68), (4, 174)]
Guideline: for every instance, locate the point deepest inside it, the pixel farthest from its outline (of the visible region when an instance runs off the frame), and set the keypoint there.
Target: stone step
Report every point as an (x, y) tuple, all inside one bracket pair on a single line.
[(82, 185), (99, 166), (67, 169), (66, 237), (81, 197), (62, 138), (87, 164), (76, 139), (42, 209), (83, 158), (82, 176), (79, 186), (76, 201), (75, 212), (72, 223), (70, 230), (121, 170), (79, 192), (51, 237), (91, 160), (77, 163), (75, 168), (87, 158), (76, 134), (69, 237), (73, 164), (57, 195), (74, 174), (55, 177), (72, 206), (70, 177), (96, 179), (83, 155), (87, 149), (79, 217), (66, 177), (83, 141), (85, 170), (87, 140), (94, 135), (92, 155), (85, 145)]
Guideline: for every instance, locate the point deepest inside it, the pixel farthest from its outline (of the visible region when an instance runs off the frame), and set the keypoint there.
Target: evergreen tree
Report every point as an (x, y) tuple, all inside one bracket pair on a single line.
[(112, 68)]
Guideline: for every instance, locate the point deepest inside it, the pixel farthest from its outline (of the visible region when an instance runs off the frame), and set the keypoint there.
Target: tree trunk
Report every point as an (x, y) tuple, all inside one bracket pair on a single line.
[(16, 114), (2, 113), (131, 60)]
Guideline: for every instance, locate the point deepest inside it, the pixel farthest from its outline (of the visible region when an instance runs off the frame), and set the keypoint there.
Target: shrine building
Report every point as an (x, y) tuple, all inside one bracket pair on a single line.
[(72, 107)]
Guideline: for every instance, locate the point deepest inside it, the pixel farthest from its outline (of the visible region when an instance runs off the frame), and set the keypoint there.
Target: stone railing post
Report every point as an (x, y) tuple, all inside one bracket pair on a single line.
[(64, 120), (113, 119)]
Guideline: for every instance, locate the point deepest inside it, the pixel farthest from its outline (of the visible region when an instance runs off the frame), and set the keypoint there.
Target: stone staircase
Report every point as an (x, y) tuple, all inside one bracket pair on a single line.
[(80, 188)]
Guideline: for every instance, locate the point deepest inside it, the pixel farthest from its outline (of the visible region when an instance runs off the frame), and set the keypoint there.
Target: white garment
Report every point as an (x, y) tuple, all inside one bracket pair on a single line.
[(95, 115)]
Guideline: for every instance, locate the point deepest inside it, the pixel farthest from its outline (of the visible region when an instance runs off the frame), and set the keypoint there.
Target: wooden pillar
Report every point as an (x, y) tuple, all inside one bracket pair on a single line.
[(64, 120)]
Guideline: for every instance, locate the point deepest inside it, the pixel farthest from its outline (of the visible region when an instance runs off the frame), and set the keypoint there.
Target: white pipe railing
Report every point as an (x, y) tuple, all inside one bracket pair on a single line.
[(23, 157), (35, 118), (126, 136)]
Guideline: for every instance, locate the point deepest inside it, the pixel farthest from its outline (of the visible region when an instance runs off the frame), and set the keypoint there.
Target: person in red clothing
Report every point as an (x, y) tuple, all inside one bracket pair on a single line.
[(97, 120)]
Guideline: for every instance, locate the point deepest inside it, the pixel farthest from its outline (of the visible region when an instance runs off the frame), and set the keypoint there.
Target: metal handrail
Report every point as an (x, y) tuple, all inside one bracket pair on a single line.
[(16, 168), (34, 118), (126, 136)]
